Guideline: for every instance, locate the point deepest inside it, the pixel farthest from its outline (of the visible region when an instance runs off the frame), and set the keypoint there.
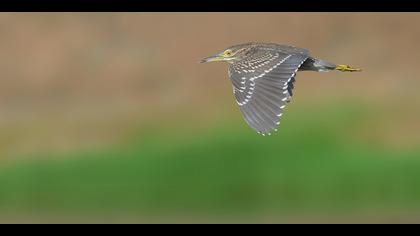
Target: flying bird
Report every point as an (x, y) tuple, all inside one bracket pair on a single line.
[(263, 76)]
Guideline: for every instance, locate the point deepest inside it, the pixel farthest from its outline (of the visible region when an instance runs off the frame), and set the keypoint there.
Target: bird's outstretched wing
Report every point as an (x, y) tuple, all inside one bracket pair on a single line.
[(262, 86)]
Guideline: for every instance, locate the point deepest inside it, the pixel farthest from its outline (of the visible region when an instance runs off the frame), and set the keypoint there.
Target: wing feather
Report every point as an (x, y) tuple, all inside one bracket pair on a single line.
[(263, 92)]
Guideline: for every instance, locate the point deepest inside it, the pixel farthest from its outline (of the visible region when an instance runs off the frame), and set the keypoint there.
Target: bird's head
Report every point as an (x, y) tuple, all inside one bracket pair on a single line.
[(231, 54)]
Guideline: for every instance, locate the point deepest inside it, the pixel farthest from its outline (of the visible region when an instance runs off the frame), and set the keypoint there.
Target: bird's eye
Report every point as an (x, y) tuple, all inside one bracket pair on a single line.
[(228, 53)]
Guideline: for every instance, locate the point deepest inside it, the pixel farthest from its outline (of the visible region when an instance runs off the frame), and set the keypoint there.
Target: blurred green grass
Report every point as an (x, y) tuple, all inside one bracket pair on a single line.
[(105, 116), (308, 166)]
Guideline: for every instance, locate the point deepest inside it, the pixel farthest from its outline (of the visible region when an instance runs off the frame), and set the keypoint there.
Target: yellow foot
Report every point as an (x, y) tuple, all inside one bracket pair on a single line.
[(345, 68)]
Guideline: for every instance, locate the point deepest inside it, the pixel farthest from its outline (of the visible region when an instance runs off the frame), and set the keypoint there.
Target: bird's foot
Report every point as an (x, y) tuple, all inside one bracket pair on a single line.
[(346, 68)]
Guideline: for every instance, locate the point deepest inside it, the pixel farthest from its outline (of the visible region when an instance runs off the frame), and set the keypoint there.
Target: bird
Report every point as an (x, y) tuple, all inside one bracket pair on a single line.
[(263, 77)]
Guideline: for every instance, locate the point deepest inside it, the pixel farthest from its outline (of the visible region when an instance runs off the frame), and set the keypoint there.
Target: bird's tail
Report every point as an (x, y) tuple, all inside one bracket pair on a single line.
[(346, 68), (315, 64)]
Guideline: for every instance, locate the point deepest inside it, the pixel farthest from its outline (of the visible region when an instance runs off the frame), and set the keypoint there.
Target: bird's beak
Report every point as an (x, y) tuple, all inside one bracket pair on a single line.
[(217, 57)]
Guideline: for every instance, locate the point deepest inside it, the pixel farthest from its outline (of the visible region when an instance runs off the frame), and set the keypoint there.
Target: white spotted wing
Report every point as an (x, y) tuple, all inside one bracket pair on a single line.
[(262, 86)]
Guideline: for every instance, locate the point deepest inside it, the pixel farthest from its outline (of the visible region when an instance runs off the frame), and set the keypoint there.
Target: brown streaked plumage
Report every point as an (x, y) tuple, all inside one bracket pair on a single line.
[(263, 76)]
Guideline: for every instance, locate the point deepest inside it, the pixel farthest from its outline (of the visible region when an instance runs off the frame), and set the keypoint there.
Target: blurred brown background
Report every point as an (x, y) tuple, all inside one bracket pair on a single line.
[(71, 80), (76, 82)]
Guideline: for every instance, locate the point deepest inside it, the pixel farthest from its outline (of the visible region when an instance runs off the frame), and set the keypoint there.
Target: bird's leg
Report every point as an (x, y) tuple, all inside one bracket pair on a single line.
[(346, 68)]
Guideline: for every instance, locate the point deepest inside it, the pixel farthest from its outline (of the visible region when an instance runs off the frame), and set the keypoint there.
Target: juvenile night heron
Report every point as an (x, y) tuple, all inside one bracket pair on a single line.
[(262, 75)]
